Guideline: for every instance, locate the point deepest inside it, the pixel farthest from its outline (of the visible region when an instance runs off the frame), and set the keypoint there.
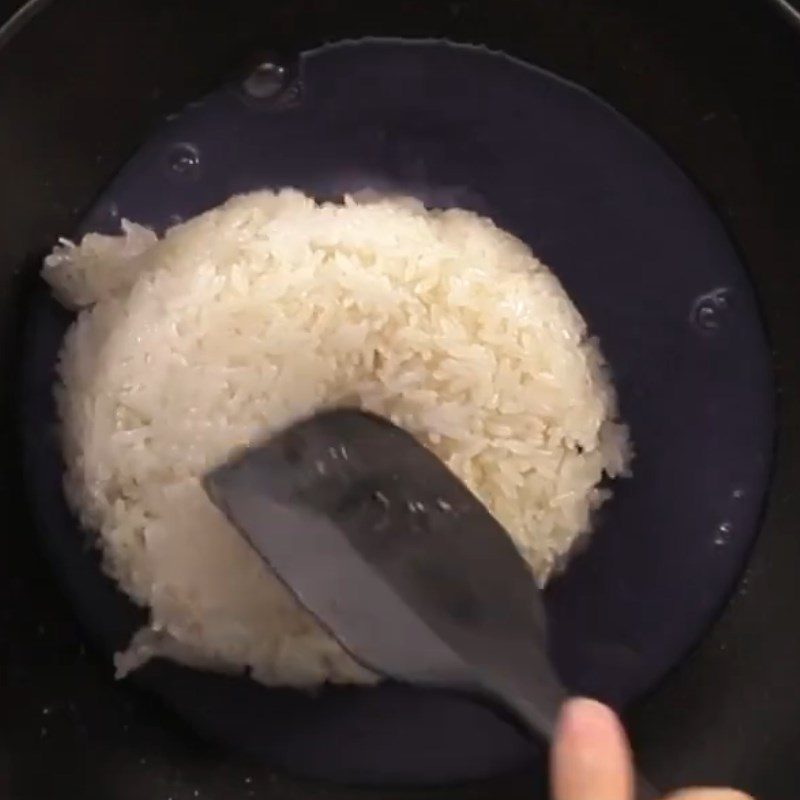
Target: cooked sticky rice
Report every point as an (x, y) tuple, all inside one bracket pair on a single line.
[(189, 347)]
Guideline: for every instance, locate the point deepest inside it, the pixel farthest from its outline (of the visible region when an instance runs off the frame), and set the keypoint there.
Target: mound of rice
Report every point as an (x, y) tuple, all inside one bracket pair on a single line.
[(269, 308)]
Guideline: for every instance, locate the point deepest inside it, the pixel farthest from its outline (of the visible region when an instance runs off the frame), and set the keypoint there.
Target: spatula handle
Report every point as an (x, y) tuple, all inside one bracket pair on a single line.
[(644, 789)]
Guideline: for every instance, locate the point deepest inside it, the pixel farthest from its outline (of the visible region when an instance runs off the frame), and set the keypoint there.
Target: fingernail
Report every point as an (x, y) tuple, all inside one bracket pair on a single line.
[(585, 719), (590, 757)]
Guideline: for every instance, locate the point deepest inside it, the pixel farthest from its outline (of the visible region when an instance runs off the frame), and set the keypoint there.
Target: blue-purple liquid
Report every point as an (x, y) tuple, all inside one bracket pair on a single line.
[(645, 260)]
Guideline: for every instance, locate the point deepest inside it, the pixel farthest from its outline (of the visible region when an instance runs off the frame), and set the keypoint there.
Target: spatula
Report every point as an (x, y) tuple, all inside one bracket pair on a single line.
[(407, 569)]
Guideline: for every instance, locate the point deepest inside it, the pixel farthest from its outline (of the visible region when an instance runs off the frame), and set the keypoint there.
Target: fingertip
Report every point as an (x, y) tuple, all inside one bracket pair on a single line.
[(590, 754), (586, 718)]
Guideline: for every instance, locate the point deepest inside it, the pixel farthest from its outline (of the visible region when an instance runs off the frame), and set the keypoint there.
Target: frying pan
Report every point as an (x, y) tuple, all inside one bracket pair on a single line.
[(728, 713)]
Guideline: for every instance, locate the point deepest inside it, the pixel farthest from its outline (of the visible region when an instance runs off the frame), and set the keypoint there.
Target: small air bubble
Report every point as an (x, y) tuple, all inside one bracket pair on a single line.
[(723, 534), (266, 81), (444, 505), (709, 310), (183, 160)]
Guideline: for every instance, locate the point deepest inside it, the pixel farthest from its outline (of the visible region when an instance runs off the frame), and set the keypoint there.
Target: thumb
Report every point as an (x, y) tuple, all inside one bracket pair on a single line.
[(590, 756)]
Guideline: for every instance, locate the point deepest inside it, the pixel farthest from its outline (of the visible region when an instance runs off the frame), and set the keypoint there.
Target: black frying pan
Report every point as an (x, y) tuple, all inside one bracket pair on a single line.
[(711, 112)]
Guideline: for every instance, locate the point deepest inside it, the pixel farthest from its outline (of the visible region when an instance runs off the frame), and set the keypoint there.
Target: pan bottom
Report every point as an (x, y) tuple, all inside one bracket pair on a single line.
[(644, 259)]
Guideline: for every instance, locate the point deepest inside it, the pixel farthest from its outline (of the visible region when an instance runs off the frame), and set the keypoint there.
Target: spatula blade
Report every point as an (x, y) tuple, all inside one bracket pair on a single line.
[(392, 553)]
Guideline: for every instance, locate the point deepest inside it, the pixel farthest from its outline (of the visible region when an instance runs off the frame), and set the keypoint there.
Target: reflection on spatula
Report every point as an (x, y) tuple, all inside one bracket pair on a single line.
[(397, 559)]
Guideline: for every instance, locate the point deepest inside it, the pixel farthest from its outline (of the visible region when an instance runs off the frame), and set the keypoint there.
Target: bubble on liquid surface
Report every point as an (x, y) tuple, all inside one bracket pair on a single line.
[(710, 310), (183, 160), (723, 534), (266, 81)]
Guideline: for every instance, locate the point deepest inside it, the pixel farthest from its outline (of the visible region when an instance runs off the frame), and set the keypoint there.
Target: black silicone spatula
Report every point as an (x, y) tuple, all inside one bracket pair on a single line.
[(397, 558)]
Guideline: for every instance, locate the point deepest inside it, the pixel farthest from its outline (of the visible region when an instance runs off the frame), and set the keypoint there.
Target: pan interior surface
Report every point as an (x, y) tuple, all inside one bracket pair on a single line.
[(648, 265)]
